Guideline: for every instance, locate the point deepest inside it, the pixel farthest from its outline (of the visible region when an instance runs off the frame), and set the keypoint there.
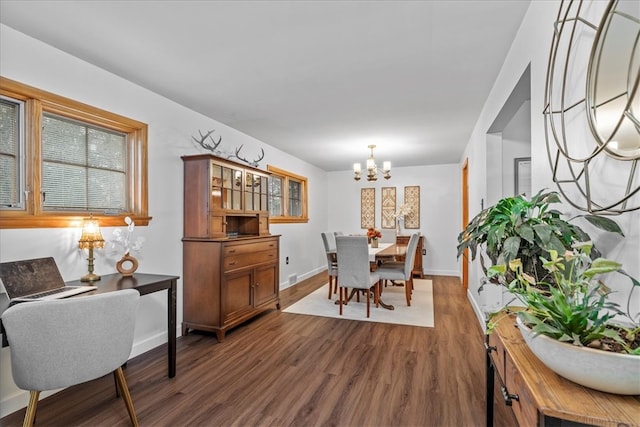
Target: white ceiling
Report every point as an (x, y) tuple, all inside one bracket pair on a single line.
[(320, 80)]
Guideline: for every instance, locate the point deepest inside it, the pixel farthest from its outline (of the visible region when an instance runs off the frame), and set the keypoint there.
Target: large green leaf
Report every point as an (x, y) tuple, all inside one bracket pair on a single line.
[(604, 223), (510, 248)]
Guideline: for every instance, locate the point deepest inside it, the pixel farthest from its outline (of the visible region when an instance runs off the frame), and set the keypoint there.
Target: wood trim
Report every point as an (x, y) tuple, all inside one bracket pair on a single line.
[(37, 102), (465, 221)]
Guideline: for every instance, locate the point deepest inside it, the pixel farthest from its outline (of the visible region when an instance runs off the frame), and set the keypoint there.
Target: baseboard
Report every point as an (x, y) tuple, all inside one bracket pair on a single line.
[(454, 273), (301, 277), (477, 310)]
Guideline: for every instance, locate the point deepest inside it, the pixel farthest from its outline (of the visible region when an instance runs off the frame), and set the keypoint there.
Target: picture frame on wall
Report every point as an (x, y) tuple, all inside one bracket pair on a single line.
[(522, 176), (388, 207), (412, 199), (367, 207)]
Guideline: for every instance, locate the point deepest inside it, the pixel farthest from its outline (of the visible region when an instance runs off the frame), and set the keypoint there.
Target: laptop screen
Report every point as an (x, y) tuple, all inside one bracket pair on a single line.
[(30, 276)]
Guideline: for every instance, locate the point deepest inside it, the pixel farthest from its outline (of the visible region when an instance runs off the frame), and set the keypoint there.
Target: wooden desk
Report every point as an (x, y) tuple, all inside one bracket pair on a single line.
[(538, 396), (145, 284)]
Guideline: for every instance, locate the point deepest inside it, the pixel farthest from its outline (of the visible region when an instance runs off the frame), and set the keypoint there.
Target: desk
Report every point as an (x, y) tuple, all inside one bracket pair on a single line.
[(538, 396), (145, 284)]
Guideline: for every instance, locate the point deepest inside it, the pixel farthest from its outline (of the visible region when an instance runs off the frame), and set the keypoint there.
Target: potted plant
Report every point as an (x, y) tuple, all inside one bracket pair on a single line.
[(373, 236), (552, 268), (526, 229)]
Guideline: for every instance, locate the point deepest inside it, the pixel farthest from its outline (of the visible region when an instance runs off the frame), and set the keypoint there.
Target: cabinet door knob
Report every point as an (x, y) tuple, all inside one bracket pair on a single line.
[(508, 397), (232, 263), (232, 251)]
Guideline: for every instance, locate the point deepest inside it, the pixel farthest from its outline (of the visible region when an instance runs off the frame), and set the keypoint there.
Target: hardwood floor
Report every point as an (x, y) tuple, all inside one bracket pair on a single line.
[(283, 369)]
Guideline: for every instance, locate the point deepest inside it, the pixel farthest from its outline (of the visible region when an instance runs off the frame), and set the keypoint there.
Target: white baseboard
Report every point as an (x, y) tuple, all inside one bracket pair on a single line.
[(477, 310), (454, 273)]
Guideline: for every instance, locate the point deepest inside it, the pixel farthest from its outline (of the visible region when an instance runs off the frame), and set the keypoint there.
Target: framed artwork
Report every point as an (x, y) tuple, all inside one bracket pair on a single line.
[(522, 176), (367, 207), (388, 207), (412, 199)]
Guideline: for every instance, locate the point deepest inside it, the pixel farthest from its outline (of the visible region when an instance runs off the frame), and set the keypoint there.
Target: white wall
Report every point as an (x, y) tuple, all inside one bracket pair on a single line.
[(170, 129), (440, 195), (532, 45)]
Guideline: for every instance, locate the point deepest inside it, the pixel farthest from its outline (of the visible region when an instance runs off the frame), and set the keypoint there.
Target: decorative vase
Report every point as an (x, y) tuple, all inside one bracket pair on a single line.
[(132, 265), (374, 242), (398, 227), (597, 369)]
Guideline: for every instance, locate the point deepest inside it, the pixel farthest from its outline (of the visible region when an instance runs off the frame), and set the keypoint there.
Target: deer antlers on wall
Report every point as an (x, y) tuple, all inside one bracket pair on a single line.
[(253, 163), (202, 142), (213, 147)]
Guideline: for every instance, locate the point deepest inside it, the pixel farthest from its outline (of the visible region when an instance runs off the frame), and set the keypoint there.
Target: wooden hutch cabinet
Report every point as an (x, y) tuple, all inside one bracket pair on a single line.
[(230, 261)]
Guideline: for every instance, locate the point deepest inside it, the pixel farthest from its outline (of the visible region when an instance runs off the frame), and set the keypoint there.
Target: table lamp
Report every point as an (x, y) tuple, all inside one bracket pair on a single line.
[(91, 238)]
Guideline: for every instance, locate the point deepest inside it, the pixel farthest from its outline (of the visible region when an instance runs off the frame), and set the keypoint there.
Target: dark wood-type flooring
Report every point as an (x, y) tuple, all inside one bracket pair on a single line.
[(283, 369)]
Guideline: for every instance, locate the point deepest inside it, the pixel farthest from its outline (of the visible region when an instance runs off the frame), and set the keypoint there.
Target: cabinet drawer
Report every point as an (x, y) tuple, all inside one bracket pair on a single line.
[(231, 250), (248, 259), (523, 406)]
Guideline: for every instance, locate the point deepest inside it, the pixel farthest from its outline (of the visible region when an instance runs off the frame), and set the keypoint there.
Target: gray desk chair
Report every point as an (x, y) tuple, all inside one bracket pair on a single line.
[(402, 270), (60, 343), (353, 259), (329, 241)]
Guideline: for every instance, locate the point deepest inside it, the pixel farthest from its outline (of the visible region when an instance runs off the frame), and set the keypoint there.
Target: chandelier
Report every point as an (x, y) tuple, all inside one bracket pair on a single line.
[(372, 169)]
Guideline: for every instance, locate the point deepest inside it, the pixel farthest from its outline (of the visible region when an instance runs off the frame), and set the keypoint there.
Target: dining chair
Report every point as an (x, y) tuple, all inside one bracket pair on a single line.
[(59, 343), (402, 270), (353, 259), (329, 241)]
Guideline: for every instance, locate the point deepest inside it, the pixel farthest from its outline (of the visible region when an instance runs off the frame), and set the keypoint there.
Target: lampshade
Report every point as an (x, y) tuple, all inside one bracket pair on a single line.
[(91, 236)]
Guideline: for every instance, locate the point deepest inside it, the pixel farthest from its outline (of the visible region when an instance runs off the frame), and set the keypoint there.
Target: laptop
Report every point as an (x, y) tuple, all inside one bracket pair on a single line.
[(36, 280)]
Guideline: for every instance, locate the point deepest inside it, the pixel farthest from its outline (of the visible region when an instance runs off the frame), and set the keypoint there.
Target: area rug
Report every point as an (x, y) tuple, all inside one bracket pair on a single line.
[(419, 314)]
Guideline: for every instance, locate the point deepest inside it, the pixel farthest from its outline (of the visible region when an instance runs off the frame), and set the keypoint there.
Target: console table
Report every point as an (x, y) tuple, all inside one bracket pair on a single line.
[(538, 396)]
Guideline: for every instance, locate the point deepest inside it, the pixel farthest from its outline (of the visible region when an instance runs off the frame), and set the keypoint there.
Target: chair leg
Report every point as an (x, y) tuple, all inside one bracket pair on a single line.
[(124, 390), (376, 294), (30, 415), (368, 303), (408, 288), (330, 286), (340, 300)]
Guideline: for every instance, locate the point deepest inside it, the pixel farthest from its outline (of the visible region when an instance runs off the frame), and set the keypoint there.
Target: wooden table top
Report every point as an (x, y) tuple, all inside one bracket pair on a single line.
[(560, 398)]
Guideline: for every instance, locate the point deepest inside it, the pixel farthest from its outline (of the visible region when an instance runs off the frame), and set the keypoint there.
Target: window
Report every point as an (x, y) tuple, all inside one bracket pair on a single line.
[(11, 148), (287, 196), (73, 160)]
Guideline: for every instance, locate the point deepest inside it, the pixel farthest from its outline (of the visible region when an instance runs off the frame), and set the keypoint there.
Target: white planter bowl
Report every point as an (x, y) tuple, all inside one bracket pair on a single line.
[(600, 370)]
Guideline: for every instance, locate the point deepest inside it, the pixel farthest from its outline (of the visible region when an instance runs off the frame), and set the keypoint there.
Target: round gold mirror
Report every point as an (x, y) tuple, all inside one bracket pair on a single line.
[(592, 105)]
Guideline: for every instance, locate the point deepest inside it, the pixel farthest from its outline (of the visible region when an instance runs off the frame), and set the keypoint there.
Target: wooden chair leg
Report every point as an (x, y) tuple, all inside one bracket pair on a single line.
[(124, 390), (408, 288), (340, 300), (30, 414), (368, 292), (330, 286)]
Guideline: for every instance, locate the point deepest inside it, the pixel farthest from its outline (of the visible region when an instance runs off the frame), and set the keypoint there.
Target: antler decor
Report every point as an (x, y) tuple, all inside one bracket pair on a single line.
[(253, 163), (202, 142)]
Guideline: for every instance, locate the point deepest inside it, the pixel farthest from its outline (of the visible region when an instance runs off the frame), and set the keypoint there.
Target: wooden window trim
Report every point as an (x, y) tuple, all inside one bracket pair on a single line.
[(286, 175), (38, 101)]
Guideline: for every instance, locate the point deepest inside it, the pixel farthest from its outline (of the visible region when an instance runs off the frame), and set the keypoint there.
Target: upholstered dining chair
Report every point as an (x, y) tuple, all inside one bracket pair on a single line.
[(402, 270), (353, 259), (59, 343), (329, 241)]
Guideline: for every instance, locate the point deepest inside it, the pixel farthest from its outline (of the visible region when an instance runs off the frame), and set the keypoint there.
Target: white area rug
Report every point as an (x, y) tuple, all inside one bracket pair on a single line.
[(419, 314)]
